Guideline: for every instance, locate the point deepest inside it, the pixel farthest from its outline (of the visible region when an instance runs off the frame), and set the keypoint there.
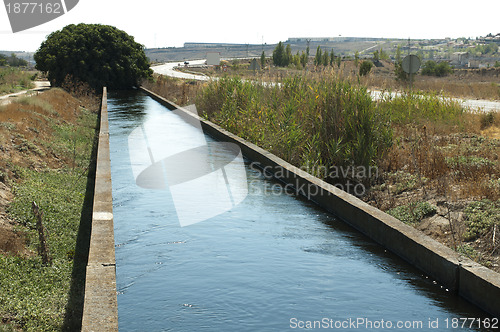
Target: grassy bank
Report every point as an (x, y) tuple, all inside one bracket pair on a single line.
[(47, 150)]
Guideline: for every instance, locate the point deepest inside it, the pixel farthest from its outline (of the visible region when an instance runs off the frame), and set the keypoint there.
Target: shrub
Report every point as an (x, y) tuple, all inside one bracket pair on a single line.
[(413, 213), (487, 119), (480, 217), (317, 123), (365, 68), (431, 68)]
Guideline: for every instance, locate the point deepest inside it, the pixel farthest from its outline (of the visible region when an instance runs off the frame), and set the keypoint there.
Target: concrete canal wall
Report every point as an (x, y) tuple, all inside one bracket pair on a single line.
[(472, 281), (100, 310)]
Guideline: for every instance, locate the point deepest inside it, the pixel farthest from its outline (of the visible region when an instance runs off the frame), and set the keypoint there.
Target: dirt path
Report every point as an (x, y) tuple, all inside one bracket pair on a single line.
[(39, 86)]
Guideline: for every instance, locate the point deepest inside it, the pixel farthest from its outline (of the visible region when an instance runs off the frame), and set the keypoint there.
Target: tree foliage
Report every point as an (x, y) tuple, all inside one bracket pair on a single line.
[(100, 55), (318, 57), (325, 58), (431, 68), (12, 61), (281, 56), (487, 49), (398, 55), (303, 59)]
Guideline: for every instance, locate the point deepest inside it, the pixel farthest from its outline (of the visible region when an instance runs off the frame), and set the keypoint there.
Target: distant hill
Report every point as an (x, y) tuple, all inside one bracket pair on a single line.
[(341, 46)]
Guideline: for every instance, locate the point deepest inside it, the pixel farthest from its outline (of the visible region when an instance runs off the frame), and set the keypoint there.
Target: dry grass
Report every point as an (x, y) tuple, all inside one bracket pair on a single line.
[(473, 83), (452, 169), (179, 91), (30, 119)]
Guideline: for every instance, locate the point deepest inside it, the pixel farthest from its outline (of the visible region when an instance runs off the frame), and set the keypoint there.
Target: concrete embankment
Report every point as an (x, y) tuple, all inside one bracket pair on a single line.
[(472, 281), (100, 310)]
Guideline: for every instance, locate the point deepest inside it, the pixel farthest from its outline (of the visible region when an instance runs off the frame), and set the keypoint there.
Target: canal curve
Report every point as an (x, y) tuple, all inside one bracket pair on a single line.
[(273, 262)]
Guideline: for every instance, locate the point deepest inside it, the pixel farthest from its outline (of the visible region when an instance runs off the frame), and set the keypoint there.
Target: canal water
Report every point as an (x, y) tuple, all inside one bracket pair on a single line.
[(273, 262)]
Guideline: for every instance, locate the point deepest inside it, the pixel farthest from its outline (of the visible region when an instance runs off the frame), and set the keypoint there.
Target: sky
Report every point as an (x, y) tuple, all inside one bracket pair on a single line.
[(163, 23)]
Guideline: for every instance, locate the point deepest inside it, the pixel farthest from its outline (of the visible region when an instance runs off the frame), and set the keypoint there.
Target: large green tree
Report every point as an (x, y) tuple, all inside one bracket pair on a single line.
[(100, 55)]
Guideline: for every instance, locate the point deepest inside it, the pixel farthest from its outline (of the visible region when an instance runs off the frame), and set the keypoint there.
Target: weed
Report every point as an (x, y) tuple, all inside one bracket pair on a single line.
[(468, 251), (8, 125), (404, 181), (413, 213), (26, 145), (480, 218), (179, 91), (487, 119), (6, 328)]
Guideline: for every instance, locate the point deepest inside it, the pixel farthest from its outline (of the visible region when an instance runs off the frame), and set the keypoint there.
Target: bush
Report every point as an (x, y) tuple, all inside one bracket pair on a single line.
[(487, 119), (480, 217), (413, 213), (365, 68), (431, 68)]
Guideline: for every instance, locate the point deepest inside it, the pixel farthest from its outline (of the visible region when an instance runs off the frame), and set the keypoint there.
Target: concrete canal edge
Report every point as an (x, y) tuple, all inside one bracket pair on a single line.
[(476, 283), (100, 308)]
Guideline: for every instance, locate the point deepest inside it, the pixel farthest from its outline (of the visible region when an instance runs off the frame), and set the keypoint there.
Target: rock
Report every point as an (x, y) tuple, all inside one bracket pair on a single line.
[(438, 220)]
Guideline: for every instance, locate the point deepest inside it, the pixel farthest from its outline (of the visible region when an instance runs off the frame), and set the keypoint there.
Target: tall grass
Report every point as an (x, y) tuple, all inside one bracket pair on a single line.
[(422, 109), (314, 124), (14, 79), (179, 91)]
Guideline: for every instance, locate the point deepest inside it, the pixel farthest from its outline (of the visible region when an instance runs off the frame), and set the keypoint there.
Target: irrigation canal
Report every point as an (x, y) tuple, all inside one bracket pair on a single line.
[(273, 262)]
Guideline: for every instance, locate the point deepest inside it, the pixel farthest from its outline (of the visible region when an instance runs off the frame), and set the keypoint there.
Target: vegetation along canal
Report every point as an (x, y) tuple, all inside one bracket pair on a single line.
[(273, 262)]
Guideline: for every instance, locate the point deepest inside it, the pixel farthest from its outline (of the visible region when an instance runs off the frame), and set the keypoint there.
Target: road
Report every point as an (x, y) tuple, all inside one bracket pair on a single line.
[(169, 70), (472, 104)]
